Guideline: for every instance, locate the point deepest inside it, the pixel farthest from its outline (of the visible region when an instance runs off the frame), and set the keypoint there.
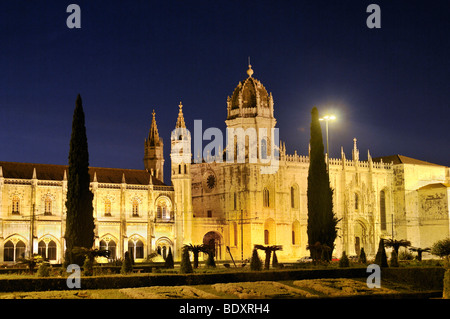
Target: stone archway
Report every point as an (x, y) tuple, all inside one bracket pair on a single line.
[(361, 236), (213, 240)]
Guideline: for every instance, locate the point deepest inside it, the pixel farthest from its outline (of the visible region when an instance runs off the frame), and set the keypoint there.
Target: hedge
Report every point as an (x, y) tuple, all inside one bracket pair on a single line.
[(429, 278)]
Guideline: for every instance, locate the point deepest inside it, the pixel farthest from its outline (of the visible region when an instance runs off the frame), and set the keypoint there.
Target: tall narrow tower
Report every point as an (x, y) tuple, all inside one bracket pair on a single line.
[(154, 154), (180, 157)]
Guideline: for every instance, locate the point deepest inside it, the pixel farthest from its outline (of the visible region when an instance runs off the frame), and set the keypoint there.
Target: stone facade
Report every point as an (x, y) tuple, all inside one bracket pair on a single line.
[(229, 205)]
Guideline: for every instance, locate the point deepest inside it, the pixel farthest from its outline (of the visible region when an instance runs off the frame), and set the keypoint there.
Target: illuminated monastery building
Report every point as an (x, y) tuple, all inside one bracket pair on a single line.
[(225, 203)]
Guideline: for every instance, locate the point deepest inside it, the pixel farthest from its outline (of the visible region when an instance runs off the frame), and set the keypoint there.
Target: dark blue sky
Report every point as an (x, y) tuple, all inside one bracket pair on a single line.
[(389, 87)]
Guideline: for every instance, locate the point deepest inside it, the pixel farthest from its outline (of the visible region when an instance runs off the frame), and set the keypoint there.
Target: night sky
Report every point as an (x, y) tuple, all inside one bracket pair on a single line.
[(388, 87)]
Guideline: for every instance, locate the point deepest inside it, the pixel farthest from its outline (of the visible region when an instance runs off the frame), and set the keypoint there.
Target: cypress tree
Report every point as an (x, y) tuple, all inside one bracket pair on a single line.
[(185, 265), (127, 266), (381, 257), (80, 220), (322, 223), (168, 263), (255, 262)]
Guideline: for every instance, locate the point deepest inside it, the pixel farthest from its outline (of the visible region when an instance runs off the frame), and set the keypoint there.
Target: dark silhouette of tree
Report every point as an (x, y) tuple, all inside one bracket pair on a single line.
[(322, 222), (268, 251), (127, 265), (255, 262), (396, 244), (419, 251), (79, 221), (196, 250), (185, 265), (381, 257), (168, 263)]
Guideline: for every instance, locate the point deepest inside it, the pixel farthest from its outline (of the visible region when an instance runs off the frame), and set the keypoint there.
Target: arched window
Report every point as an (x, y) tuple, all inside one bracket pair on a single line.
[(13, 251), (383, 210), (47, 206), (110, 245), (15, 205), (136, 248), (356, 201), (135, 208), (47, 249), (163, 209), (294, 196), (266, 237), (266, 197), (235, 201), (107, 207)]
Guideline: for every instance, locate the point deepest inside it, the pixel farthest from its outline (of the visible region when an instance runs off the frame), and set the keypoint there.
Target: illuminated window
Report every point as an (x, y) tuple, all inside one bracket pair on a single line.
[(136, 248), (47, 249), (15, 205), (107, 207), (110, 245), (13, 251), (48, 206), (135, 208)]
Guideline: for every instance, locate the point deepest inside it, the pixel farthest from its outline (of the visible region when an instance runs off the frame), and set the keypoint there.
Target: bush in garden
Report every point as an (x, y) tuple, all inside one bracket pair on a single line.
[(255, 263), (185, 266), (43, 270), (168, 263), (344, 262), (127, 265), (381, 257), (362, 256)]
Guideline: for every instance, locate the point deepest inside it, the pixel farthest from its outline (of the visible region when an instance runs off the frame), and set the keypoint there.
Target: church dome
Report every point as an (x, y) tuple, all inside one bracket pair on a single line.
[(250, 99)]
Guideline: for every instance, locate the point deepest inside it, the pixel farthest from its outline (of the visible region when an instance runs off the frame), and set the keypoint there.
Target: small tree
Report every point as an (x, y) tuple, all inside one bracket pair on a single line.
[(185, 266), (381, 258), (168, 263), (396, 244), (210, 263), (127, 265), (196, 250), (255, 262), (394, 259), (344, 261), (43, 270), (268, 251), (88, 255), (441, 248), (275, 263), (419, 251), (362, 256)]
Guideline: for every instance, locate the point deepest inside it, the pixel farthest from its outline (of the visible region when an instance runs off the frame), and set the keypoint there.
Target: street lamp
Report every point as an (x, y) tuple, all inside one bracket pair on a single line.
[(327, 118)]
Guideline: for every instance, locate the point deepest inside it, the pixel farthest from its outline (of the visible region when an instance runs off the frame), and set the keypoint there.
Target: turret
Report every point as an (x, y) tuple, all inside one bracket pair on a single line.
[(154, 152), (180, 157)]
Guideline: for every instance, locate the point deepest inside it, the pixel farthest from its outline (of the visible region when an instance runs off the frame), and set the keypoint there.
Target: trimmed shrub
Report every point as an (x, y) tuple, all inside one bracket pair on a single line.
[(43, 270), (381, 257), (127, 265), (344, 262), (255, 263), (168, 263), (362, 256), (185, 266)]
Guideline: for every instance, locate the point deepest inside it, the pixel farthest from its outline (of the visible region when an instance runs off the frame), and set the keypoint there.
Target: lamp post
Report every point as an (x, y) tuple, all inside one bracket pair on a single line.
[(327, 118)]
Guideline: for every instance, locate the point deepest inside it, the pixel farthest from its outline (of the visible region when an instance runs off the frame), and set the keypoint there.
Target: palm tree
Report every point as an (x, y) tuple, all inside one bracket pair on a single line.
[(419, 251), (196, 250), (396, 244), (268, 251)]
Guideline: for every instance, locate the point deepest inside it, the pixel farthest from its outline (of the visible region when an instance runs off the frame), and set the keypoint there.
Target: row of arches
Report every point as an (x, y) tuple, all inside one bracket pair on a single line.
[(15, 247)]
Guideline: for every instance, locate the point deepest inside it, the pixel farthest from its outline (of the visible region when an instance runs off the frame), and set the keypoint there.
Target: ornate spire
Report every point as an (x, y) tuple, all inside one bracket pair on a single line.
[(250, 71), (180, 120), (153, 135)]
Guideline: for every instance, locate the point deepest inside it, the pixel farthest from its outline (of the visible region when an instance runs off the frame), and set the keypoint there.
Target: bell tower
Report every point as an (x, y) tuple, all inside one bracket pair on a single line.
[(154, 152), (180, 157)]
